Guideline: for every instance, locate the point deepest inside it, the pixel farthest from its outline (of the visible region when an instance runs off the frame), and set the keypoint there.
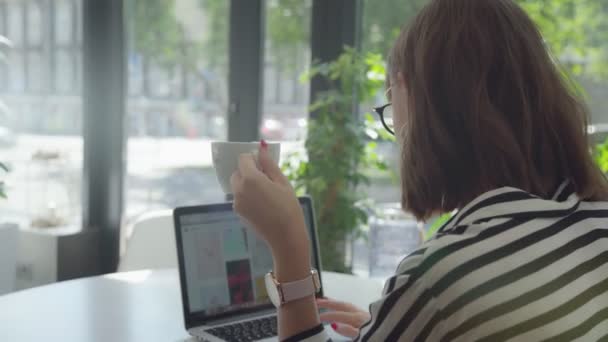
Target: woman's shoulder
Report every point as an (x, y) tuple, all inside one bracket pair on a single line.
[(441, 253)]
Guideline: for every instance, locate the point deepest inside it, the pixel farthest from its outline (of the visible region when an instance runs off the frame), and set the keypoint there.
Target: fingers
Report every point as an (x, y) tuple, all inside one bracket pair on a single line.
[(346, 330), (247, 178), (349, 318), (245, 183), (236, 185), (247, 165), (336, 305), (235, 181), (270, 167)]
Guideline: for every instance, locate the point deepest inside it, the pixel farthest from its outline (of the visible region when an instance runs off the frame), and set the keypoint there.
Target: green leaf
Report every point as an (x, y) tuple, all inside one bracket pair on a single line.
[(381, 165), (600, 154), (438, 223)]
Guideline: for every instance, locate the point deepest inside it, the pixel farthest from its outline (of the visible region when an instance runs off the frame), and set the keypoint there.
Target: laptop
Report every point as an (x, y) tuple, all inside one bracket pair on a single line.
[(222, 265)]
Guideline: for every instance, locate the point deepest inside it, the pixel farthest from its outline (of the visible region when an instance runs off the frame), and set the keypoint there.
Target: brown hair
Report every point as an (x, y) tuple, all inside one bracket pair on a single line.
[(488, 107)]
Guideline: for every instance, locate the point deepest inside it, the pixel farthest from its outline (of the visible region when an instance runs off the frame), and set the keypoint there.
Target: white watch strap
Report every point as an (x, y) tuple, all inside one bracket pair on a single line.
[(298, 289)]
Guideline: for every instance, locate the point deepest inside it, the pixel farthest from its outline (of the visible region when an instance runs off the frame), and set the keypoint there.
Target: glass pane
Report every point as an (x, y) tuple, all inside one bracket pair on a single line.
[(16, 71), (136, 75), (160, 84), (40, 132), (285, 109), (15, 22), (172, 120), (63, 22), (36, 71), (3, 74), (34, 24), (4, 47), (3, 19), (78, 79), (78, 19), (64, 71)]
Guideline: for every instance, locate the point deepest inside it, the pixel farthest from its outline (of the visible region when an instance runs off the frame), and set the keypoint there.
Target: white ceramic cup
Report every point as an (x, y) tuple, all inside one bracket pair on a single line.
[(225, 155)]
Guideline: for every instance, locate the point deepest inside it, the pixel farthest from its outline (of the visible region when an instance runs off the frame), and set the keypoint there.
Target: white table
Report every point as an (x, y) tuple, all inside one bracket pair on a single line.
[(130, 306)]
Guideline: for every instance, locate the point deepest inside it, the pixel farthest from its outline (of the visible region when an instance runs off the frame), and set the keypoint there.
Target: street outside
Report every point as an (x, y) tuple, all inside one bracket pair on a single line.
[(45, 180)]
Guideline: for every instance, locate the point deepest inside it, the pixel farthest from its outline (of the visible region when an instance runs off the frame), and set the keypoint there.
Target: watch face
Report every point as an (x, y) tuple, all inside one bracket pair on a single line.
[(271, 289)]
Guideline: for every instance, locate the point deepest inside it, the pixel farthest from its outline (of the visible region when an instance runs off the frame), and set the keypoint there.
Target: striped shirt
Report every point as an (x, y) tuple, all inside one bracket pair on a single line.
[(508, 266)]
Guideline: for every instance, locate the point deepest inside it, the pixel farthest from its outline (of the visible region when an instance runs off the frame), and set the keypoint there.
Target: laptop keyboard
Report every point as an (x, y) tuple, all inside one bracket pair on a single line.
[(247, 331)]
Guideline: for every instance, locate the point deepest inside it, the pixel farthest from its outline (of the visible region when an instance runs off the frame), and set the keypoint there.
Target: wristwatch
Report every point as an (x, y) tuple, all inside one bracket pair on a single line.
[(282, 293)]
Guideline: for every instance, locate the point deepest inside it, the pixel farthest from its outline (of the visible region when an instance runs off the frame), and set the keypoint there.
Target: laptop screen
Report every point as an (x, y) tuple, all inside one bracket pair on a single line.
[(222, 261)]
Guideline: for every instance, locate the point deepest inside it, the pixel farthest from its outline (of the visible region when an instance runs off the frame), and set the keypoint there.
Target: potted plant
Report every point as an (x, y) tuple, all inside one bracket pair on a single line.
[(340, 150)]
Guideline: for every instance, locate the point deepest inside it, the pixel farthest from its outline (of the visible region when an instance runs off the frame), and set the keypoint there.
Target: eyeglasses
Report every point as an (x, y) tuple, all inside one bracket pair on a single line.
[(386, 116)]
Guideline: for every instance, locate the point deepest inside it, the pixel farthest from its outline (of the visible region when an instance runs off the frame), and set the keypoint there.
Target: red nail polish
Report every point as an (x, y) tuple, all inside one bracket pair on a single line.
[(264, 144), (334, 326)]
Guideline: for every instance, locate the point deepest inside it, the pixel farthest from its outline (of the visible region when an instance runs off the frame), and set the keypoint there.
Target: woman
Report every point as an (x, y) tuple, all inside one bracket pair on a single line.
[(488, 127)]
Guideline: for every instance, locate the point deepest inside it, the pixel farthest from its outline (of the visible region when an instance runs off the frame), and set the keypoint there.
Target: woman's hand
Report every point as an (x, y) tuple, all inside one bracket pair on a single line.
[(264, 197), (345, 318)]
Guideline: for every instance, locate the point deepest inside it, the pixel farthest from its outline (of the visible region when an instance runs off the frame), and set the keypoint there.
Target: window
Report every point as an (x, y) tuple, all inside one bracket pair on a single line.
[(287, 58), (40, 125), (177, 101)]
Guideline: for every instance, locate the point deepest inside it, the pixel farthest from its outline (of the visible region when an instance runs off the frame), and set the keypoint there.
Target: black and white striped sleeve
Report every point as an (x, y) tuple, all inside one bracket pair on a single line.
[(399, 294)]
